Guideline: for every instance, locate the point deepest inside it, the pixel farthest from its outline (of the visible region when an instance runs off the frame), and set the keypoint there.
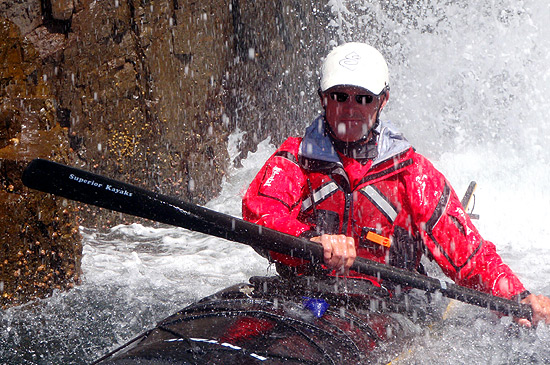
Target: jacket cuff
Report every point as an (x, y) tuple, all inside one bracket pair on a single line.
[(519, 297), (309, 234)]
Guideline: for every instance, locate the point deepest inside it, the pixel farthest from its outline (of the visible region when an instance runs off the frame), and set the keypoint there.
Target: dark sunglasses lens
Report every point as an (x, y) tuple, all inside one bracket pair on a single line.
[(338, 96), (364, 99), (342, 97)]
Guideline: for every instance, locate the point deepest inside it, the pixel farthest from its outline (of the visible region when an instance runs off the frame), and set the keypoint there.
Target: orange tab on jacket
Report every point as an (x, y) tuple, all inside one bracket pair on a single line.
[(381, 240)]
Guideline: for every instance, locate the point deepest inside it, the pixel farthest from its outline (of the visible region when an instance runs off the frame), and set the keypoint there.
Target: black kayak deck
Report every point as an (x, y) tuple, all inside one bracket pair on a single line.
[(267, 322)]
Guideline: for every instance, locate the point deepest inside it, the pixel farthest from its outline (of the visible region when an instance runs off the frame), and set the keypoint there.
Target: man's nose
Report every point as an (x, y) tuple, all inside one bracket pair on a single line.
[(347, 108)]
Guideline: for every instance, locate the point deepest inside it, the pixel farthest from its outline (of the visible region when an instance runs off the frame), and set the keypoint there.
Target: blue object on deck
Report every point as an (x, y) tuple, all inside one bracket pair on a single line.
[(317, 306)]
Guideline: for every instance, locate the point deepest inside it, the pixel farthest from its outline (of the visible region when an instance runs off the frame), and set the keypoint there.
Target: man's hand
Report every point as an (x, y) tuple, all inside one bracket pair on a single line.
[(339, 251), (541, 310)]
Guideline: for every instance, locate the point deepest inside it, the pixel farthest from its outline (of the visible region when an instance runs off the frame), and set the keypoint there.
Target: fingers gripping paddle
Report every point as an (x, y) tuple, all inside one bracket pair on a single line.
[(89, 188)]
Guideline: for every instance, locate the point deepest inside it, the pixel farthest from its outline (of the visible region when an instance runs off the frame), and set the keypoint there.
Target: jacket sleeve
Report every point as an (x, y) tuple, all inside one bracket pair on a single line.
[(274, 197), (450, 236)]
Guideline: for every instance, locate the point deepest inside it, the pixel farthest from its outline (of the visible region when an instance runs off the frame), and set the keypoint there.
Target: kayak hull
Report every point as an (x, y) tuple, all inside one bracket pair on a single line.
[(269, 321)]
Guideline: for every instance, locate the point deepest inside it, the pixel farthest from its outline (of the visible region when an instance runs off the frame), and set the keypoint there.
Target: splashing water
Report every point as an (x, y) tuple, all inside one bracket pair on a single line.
[(462, 74), (469, 89)]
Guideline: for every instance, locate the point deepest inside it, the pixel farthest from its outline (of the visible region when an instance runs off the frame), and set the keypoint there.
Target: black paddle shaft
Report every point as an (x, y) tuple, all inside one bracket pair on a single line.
[(90, 188)]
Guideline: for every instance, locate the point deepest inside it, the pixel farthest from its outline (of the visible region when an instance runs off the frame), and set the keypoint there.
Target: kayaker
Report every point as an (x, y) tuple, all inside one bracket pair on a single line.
[(356, 186)]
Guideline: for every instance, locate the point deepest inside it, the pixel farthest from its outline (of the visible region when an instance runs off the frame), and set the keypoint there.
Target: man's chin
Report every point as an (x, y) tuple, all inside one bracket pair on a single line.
[(348, 139)]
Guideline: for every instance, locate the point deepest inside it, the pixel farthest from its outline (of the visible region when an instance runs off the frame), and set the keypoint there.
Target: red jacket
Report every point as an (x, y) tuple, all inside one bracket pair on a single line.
[(307, 188)]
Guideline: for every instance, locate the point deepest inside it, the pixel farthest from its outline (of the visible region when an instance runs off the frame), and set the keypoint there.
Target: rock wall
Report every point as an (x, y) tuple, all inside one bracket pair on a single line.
[(139, 90), (150, 90), (40, 246), (273, 80), (146, 92)]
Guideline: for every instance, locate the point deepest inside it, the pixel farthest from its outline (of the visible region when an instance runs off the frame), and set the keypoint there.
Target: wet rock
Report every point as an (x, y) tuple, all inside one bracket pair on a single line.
[(40, 245), (46, 43), (27, 14), (150, 91), (62, 9), (274, 77), (140, 85)]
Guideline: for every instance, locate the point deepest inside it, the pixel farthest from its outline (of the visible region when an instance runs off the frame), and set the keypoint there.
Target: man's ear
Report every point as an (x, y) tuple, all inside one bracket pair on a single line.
[(323, 98), (385, 98)]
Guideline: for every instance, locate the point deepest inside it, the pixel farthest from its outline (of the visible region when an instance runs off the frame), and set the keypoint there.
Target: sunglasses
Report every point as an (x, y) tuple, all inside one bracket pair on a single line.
[(342, 97)]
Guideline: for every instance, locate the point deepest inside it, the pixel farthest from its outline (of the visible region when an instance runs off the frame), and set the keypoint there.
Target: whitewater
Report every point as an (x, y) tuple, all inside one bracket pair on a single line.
[(470, 86)]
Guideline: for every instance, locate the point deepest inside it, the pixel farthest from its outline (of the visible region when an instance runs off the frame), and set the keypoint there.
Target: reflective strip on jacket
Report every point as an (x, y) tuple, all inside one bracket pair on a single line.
[(306, 188)]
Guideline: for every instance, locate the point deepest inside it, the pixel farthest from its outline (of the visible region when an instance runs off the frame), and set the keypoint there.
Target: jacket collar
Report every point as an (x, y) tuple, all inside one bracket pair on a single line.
[(317, 145)]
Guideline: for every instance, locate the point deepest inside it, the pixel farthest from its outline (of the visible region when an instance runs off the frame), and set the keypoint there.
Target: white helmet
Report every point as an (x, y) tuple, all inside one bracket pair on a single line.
[(356, 64)]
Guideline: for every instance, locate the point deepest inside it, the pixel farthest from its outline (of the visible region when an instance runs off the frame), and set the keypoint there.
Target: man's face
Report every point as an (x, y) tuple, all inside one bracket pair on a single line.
[(350, 111)]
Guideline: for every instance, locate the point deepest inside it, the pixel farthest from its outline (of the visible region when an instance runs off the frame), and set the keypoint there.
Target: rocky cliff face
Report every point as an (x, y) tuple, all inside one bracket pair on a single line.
[(40, 245), (146, 92), (139, 90), (273, 79)]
